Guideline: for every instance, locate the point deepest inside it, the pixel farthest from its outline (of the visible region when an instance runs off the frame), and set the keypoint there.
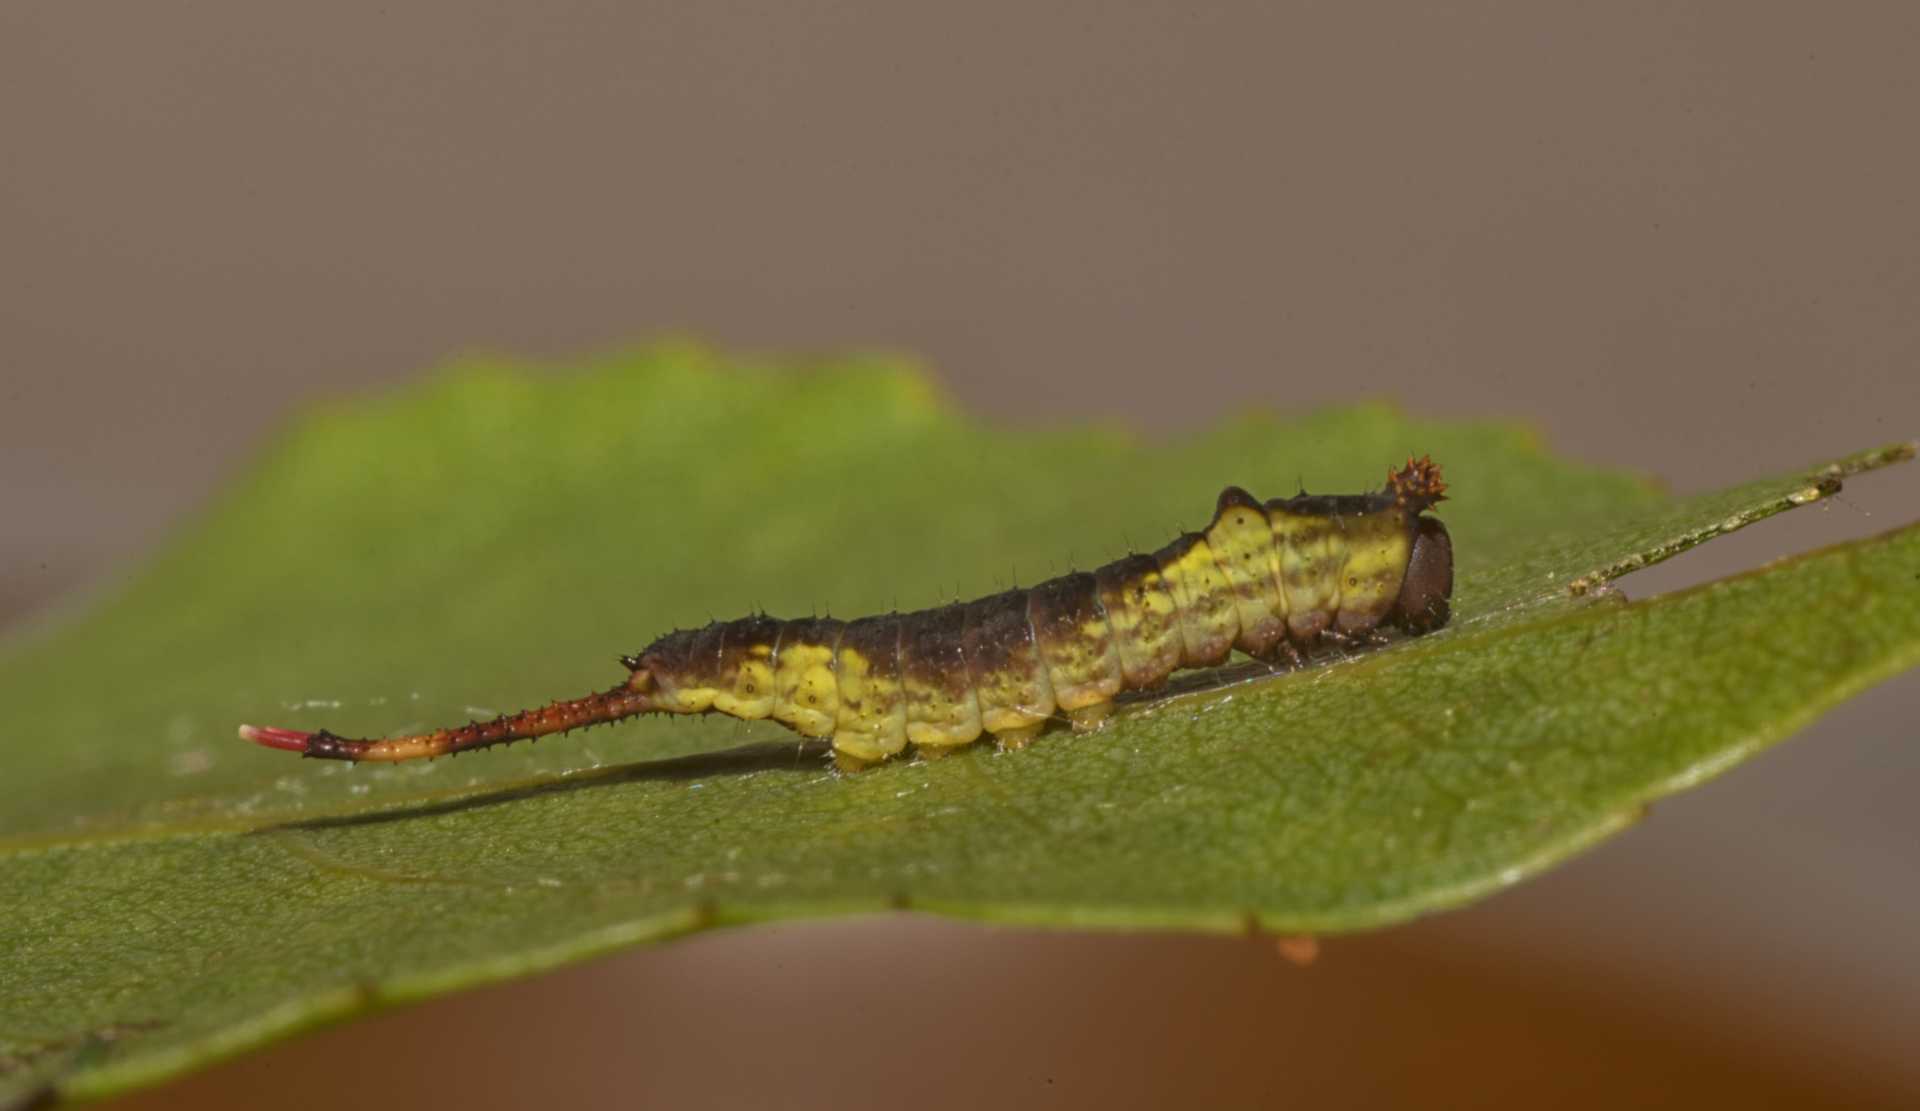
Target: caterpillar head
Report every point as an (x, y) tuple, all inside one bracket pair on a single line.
[(1423, 604)]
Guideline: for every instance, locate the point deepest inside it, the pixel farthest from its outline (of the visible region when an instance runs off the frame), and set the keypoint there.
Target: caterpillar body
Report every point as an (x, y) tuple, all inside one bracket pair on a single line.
[(1271, 579)]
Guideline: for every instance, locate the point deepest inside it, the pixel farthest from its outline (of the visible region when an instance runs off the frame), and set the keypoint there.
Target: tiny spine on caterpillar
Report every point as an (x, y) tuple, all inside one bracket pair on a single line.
[(1273, 580)]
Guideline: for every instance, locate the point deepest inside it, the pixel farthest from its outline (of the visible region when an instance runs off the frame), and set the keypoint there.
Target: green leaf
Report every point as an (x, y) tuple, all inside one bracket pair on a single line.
[(497, 538)]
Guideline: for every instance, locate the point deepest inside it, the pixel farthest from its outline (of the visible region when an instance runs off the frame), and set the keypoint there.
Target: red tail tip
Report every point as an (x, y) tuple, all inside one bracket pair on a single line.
[(288, 740)]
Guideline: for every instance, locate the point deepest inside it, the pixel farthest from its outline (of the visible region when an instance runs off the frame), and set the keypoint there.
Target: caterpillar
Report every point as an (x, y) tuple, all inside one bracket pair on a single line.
[(1273, 580)]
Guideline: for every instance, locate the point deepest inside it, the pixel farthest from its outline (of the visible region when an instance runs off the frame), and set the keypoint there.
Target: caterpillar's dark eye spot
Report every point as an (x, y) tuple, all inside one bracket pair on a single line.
[(1353, 580), (749, 688), (813, 699)]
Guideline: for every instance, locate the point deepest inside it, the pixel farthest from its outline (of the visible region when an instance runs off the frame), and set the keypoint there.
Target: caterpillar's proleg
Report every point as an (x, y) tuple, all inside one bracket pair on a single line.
[(1272, 579)]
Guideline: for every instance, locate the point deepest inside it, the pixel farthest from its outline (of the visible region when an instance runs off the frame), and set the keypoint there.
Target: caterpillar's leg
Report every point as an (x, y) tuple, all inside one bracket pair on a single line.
[(1086, 719), (1372, 638), (1284, 654), (847, 763), (622, 701), (1011, 740)]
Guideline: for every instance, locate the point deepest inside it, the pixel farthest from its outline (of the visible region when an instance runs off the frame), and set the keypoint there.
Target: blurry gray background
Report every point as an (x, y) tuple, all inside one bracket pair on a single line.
[(1680, 238)]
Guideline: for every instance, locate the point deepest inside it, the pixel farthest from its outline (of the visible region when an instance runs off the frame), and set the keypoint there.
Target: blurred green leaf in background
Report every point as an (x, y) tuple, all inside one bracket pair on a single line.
[(498, 537)]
